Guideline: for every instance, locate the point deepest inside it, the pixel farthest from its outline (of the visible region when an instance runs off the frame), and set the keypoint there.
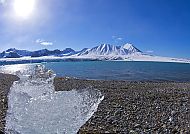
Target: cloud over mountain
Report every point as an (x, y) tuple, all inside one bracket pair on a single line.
[(43, 42)]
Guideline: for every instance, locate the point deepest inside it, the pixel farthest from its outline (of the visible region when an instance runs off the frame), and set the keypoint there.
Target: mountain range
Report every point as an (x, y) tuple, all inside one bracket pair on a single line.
[(127, 52), (101, 50)]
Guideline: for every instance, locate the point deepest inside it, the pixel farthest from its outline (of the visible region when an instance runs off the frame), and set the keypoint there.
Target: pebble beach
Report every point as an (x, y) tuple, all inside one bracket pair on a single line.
[(128, 107), (5, 83), (136, 107)]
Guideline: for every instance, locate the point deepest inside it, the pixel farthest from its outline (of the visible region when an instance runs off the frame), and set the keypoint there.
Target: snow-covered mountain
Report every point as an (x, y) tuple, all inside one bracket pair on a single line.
[(110, 50), (127, 52), (130, 48), (15, 53), (19, 52), (101, 50), (10, 54)]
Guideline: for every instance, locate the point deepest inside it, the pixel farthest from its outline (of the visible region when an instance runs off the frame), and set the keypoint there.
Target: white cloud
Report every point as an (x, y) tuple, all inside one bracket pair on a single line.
[(119, 38), (46, 43), (43, 42), (116, 38), (39, 40), (150, 51)]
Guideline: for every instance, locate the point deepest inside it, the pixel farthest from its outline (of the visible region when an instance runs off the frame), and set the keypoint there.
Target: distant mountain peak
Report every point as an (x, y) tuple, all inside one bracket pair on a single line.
[(131, 48), (128, 46), (69, 49), (101, 50), (108, 49), (11, 49)]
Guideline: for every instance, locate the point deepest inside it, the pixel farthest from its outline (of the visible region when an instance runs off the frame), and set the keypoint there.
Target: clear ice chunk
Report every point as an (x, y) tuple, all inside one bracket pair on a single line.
[(35, 107)]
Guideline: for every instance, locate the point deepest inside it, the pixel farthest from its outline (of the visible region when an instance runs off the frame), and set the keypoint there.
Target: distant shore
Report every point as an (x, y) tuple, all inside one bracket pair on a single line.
[(128, 107), (26, 60)]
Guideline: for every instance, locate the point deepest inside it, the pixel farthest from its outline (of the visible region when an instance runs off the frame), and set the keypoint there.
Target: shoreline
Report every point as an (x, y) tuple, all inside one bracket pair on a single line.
[(128, 107), (12, 61)]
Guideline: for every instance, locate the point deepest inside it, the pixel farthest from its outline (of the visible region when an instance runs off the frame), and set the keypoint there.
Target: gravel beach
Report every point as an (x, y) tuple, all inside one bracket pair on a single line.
[(5, 83), (128, 107), (136, 107)]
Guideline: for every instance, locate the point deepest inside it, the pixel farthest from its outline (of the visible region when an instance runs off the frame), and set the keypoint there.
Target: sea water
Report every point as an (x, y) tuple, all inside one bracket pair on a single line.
[(123, 70), (35, 108)]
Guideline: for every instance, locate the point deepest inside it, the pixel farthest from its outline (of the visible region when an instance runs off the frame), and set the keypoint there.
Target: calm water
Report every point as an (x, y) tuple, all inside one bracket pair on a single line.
[(121, 70)]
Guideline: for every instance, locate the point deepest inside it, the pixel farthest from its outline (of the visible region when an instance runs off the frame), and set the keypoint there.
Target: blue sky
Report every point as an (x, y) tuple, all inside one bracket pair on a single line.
[(159, 26)]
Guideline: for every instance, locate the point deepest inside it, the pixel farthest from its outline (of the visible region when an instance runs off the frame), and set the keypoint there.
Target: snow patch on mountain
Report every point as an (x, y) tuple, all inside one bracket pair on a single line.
[(130, 48), (107, 49), (127, 52)]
